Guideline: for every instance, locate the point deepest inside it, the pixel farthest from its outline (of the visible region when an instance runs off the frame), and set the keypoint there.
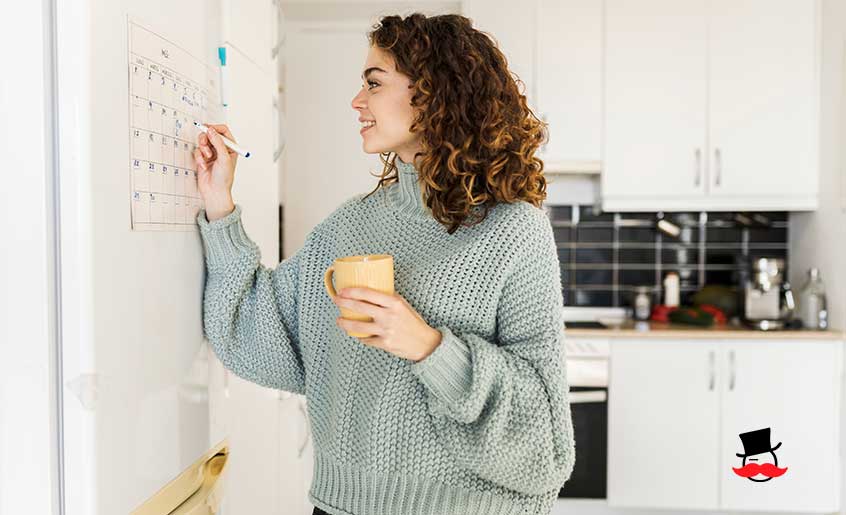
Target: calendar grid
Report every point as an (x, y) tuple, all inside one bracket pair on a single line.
[(165, 98)]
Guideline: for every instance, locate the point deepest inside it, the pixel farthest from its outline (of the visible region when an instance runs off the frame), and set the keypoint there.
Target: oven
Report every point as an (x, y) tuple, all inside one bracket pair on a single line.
[(587, 375)]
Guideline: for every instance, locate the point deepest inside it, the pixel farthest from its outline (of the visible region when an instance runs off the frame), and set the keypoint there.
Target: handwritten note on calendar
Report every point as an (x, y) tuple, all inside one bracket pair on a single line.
[(169, 89)]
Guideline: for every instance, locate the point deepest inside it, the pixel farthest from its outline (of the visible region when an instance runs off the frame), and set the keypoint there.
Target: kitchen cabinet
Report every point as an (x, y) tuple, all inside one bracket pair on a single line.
[(655, 94), (569, 83), (663, 433), (555, 48), (711, 105), (793, 387), (763, 102), (677, 408)]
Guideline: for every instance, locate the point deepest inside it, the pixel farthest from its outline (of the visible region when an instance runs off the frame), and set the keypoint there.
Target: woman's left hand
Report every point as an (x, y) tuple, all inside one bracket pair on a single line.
[(396, 327)]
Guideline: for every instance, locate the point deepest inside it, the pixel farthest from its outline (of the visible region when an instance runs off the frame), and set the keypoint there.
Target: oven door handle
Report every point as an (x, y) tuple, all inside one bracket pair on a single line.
[(585, 396)]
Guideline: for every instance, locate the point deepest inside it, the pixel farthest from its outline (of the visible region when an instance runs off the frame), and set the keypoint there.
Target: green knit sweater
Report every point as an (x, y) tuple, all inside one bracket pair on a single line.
[(480, 426)]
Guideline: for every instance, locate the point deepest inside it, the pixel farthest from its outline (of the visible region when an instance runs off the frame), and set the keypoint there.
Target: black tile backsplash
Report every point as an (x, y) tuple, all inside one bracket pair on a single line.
[(605, 256), (585, 297), (637, 277), (636, 234), (592, 255), (592, 277), (594, 234), (636, 255)]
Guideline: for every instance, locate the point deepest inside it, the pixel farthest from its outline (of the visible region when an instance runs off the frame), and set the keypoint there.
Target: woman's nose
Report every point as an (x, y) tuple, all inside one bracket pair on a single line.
[(357, 100)]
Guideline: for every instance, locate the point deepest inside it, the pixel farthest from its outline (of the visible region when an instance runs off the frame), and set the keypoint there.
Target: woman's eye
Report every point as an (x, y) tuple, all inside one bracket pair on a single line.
[(373, 83)]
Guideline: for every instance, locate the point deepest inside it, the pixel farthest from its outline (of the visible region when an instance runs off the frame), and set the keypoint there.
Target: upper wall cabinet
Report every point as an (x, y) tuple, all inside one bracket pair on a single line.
[(655, 98), (569, 83), (555, 48), (711, 105), (763, 87)]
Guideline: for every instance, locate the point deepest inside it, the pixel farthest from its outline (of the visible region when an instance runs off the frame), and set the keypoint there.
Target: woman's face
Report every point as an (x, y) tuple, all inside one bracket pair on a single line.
[(385, 97)]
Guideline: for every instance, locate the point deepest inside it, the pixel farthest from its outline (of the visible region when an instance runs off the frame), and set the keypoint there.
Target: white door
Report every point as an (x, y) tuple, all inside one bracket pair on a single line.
[(793, 388), (764, 103), (655, 104), (569, 79), (663, 407)]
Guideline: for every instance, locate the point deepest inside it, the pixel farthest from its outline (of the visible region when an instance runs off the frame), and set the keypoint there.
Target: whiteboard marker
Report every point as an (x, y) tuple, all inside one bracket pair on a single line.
[(228, 142), (221, 55)]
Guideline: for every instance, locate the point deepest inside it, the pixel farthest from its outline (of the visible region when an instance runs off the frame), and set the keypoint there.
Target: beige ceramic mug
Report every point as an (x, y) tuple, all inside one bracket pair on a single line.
[(375, 271)]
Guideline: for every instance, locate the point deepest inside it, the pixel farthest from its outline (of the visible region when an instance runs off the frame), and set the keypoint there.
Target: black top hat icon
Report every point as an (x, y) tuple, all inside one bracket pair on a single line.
[(756, 442)]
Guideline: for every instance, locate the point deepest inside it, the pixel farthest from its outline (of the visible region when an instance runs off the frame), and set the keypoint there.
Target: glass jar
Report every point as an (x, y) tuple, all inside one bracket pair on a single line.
[(642, 303), (812, 302)]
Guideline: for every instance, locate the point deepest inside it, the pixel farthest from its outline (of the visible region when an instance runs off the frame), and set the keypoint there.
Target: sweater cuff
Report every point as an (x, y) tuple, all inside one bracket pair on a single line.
[(448, 371), (224, 239)]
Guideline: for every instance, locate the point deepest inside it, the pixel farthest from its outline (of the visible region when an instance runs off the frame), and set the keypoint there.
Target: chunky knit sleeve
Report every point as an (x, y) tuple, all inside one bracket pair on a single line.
[(501, 407), (250, 311)]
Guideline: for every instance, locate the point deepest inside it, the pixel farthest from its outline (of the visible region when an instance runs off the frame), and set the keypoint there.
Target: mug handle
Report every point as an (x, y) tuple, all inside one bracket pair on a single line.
[(327, 281)]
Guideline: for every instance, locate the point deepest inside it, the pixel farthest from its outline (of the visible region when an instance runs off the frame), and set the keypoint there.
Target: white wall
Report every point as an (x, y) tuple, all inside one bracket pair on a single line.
[(27, 438), (817, 238)]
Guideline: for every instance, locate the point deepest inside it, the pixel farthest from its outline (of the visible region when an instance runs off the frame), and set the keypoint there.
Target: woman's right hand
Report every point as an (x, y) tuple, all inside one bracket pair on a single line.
[(215, 171)]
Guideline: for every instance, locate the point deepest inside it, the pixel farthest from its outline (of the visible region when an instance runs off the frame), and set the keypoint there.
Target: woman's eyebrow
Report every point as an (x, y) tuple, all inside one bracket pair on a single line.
[(370, 70)]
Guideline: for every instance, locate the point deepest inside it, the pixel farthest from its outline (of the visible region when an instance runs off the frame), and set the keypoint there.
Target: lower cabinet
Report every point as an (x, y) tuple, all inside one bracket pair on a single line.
[(663, 425), (794, 389), (677, 410)]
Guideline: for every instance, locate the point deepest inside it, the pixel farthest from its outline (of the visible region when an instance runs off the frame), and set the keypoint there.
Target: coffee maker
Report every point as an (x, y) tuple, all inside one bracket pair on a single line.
[(768, 300)]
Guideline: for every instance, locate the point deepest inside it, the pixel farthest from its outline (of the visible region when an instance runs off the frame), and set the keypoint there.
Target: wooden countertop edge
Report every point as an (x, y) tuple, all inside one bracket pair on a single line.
[(659, 330)]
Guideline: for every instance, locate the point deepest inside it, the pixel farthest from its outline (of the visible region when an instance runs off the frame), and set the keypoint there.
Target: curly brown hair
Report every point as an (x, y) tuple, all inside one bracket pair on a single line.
[(478, 136)]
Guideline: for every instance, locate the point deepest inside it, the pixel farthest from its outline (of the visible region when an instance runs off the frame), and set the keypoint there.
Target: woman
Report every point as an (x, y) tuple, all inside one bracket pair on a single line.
[(458, 402)]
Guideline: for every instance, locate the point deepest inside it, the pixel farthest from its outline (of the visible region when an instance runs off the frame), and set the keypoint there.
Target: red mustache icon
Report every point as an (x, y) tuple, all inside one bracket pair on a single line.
[(751, 469)]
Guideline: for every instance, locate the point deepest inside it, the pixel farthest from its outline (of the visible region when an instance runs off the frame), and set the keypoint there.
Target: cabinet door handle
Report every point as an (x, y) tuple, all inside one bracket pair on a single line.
[(718, 167), (732, 369), (697, 176), (711, 360)]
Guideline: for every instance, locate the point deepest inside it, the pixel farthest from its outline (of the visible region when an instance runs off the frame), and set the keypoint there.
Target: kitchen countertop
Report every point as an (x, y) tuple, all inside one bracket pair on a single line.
[(632, 329)]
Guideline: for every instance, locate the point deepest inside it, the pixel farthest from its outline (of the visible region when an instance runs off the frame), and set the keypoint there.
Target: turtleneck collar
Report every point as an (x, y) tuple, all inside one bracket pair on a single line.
[(406, 197)]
